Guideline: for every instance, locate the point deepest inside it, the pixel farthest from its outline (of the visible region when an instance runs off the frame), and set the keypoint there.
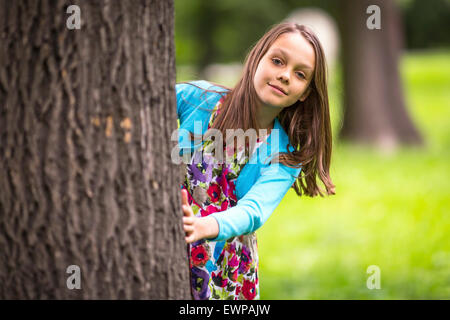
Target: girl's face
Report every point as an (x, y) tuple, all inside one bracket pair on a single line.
[(284, 73)]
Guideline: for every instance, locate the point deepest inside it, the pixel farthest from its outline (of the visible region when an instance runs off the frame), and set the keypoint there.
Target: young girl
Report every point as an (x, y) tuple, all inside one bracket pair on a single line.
[(283, 89)]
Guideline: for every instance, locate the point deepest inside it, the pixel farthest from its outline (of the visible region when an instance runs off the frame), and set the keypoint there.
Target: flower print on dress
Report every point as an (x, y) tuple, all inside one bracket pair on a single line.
[(196, 175), (249, 290), (232, 192), (224, 205), (209, 210), (233, 274), (233, 262), (200, 255), (232, 267), (246, 260), (199, 284), (214, 192), (219, 280), (199, 171), (223, 183)]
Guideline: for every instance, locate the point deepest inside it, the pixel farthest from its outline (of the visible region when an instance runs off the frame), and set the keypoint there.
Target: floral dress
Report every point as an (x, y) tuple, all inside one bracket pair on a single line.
[(224, 269)]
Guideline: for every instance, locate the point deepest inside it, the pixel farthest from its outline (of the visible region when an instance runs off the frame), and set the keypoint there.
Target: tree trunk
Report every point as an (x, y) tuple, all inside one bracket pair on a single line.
[(374, 106), (86, 177)]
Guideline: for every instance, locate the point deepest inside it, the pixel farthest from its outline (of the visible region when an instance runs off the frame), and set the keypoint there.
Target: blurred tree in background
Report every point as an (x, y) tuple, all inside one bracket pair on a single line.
[(374, 105)]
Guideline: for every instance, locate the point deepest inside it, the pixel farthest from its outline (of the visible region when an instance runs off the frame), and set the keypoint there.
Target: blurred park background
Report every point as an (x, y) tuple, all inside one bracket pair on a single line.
[(392, 202)]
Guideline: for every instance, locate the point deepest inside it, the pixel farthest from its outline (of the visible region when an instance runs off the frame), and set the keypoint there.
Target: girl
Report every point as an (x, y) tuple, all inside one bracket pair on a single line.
[(283, 89)]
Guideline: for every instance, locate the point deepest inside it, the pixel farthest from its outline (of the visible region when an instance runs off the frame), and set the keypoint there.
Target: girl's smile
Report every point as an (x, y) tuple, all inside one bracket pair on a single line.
[(277, 89)]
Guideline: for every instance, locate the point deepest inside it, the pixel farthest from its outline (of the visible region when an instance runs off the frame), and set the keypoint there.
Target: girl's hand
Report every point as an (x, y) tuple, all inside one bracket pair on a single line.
[(189, 220), (194, 227)]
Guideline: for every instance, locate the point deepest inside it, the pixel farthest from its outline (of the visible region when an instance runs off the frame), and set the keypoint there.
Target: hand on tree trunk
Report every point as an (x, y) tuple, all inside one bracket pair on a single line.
[(194, 227)]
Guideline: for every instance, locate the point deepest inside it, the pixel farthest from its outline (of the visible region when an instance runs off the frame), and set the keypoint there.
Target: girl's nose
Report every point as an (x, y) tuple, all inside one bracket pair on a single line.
[(283, 77)]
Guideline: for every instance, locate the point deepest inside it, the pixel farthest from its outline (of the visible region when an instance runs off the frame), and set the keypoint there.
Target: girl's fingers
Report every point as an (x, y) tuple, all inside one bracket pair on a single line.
[(187, 210), (184, 197), (185, 203), (188, 220)]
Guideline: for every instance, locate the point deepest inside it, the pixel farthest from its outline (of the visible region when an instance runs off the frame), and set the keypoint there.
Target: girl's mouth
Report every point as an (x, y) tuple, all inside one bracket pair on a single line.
[(277, 89)]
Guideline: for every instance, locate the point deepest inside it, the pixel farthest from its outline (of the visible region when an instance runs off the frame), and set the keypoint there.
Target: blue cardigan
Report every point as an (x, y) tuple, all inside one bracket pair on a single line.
[(260, 185)]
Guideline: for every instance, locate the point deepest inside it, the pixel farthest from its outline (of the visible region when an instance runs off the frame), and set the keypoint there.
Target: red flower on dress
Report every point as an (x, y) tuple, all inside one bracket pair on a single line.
[(224, 206), (249, 290), (214, 192), (238, 290), (209, 209), (199, 256)]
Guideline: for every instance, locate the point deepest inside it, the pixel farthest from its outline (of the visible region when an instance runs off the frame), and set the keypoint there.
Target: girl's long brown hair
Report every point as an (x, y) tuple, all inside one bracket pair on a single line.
[(306, 123)]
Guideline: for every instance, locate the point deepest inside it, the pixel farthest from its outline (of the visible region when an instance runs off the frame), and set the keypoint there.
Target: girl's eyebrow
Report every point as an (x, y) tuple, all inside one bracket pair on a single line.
[(284, 53)]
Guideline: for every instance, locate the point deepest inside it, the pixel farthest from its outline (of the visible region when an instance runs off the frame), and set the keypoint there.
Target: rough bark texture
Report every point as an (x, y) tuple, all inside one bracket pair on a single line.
[(374, 106), (85, 171)]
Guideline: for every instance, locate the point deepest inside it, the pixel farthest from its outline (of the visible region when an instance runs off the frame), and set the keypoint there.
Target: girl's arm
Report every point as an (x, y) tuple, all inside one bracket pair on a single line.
[(253, 210), (249, 214)]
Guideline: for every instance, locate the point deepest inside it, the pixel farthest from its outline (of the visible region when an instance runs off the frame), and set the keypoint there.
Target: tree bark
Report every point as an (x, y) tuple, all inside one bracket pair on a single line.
[(374, 106), (86, 177)]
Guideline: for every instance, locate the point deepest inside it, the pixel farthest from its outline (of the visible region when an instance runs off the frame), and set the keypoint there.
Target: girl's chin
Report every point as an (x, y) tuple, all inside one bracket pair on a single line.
[(270, 100), (274, 101), (272, 104)]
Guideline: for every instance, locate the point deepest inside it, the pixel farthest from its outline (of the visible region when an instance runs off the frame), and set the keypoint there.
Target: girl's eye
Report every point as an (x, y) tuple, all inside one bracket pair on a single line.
[(300, 75), (276, 61)]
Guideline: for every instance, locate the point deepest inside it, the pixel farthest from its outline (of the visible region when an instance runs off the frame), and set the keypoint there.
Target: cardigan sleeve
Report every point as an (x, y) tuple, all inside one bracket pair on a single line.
[(253, 210), (194, 105), (184, 93), (194, 101)]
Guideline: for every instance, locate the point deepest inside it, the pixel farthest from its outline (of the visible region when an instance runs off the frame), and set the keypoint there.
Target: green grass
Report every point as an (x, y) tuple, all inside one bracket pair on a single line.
[(390, 210)]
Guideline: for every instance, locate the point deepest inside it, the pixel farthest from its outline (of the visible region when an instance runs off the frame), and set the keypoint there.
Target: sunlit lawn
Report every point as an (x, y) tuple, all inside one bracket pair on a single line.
[(391, 211)]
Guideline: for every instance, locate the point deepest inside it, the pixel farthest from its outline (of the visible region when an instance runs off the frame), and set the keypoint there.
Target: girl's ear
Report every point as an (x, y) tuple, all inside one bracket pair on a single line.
[(305, 95)]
